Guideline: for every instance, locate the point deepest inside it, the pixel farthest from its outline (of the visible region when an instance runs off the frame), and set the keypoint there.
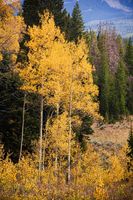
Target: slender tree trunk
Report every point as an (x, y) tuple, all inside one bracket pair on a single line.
[(43, 156), (41, 134), (44, 145), (22, 130), (56, 161), (70, 135), (56, 150)]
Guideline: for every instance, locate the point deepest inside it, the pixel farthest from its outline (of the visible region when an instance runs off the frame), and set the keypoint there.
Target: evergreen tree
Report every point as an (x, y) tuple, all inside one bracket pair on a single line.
[(32, 9), (130, 94), (115, 105), (112, 75), (130, 147), (130, 143), (66, 24), (113, 101), (120, 46), (77, 24), (129, 63), (103, 77), (121, 88), (94, 54), (129, 56), (104, 87)]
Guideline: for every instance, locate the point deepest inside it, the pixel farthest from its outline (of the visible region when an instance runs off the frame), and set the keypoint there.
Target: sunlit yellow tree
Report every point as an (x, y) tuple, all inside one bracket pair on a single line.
[(48, 57), (81, 93), (11, 27), (58, 71)]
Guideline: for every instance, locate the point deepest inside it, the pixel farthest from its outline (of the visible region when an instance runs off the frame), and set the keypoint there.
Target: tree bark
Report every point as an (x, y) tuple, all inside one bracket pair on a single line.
[(70, 135), (56, 150), (43, 156), (22, 130), (41, 134)]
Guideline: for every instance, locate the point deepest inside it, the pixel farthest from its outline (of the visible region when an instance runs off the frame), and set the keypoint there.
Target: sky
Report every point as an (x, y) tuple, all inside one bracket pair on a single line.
[(119, 13)]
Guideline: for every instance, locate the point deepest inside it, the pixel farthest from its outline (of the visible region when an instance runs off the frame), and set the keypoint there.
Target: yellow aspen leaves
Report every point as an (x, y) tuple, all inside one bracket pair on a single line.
[(1, 57), (54, 64), (11, 29), (58, 133), (83, 89), (90, 179), (10, 33)]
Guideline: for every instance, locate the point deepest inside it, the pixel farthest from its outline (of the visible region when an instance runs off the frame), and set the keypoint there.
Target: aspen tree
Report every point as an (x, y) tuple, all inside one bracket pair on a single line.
[(62, 62), (11, 28), (45, 67), (82, 92), (59, 71)]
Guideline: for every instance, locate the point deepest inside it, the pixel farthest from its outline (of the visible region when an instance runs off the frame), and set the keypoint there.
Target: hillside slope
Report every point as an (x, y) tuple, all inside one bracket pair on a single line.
[(110, 136)]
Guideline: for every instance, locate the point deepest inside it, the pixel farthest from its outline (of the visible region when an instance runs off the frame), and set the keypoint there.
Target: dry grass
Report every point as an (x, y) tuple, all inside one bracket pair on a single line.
[(116, 133)]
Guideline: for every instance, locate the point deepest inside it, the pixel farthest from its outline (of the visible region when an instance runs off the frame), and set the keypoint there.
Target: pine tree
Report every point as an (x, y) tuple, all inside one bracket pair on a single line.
[(129, 56), (130, 148), (94, 51), (32, 10), (114, 103), (120, 45), (77, 24), (103, 78), (66, 27), (121, 84), (130, 94), (113, 100), (129, 64), (111, 74), (130, 143), (104, 87)]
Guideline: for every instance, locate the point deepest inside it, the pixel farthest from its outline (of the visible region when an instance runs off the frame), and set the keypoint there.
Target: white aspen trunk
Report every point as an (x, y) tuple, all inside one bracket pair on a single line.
[(43, 156), (41, 134), (44, 145), (56, 161), (22, 130), (70, 135), (56, 150)]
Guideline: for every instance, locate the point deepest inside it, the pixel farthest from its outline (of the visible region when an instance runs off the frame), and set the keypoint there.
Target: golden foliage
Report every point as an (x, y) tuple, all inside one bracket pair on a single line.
[(55, 67), (1, 57), (90, 179), (10, 33), (57, 133), (11, 29)]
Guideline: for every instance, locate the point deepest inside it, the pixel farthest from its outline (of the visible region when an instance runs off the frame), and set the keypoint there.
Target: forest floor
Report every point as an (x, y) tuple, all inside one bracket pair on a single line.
[(111, 136)]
